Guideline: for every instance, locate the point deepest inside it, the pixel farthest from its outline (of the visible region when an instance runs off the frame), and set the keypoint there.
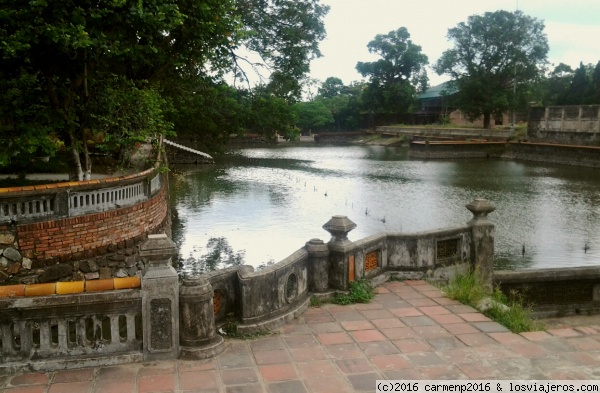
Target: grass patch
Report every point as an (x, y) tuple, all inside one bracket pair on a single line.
[(361, 291), (509, 311), (317, 301)]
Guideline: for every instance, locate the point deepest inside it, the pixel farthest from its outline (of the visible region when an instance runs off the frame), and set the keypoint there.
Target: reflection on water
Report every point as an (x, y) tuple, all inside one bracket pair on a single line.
[(265, 203)]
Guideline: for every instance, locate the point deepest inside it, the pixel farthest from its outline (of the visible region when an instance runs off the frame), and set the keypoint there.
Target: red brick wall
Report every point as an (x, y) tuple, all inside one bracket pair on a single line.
[(92, 234)]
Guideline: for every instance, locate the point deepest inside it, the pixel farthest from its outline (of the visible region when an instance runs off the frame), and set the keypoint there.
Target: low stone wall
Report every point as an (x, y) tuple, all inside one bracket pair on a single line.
[(554, 292), (586, 156), (451, 150), (263, 299), (166, 319), (337, 137), (274, 295), (458, 133), (577, 124)]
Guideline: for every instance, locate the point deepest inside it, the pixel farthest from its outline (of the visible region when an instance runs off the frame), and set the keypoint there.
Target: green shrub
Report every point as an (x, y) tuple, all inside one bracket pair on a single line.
[(468, 289), (361, 291), (516, 317)]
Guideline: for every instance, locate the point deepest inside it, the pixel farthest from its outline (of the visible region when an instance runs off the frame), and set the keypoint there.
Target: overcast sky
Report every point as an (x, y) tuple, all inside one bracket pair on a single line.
[(572, 28)]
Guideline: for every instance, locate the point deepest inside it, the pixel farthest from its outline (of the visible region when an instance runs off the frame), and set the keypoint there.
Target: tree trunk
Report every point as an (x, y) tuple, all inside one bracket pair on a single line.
[(87, 173), (486, 120), (76, 172)]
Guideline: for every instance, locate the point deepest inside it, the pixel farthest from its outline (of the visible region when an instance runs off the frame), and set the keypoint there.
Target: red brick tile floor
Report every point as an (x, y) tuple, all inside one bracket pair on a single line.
[(409, 331)]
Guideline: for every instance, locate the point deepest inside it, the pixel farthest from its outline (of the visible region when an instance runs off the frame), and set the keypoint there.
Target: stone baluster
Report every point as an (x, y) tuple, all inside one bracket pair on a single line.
[(160, 299), (482, 242), (198, 336), (340, 250), (318, 266)]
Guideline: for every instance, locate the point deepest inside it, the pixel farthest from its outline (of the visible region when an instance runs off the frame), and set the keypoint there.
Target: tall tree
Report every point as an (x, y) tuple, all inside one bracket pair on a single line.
[(398, 75), (579, 86), (312, 115), (82, 61), (72, 48), (594, 89), (555, 87), (332, 87), (286, 33), (495, 56)]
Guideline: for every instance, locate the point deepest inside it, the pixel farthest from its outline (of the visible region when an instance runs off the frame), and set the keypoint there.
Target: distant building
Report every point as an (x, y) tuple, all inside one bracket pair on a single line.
[(436, 104)]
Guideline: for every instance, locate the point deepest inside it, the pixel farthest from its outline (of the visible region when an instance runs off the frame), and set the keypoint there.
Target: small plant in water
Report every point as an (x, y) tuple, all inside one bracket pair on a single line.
[(361, 291)]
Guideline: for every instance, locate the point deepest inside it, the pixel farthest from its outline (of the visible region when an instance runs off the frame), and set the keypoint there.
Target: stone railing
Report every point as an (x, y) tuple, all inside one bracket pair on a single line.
[(19, 205), (166, 320), (65, 331), (258, 300), (554, 292), (100, 322)]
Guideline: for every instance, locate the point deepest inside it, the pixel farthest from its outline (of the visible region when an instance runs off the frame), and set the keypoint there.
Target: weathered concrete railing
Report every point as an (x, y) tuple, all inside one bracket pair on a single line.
[(257, 300), (576, 124), (165, 320), (76, 330), (13, 209), (48, 327), (19, 205), (554, 292), (84, 202)]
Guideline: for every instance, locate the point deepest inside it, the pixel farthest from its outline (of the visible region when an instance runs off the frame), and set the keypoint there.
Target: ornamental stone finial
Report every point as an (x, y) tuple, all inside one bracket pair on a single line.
[(339, 227), (480, 207), (158, 249)]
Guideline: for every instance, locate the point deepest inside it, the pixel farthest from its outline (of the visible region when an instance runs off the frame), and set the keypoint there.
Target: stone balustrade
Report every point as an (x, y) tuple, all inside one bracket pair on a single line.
[(19, 205), (165, 319)]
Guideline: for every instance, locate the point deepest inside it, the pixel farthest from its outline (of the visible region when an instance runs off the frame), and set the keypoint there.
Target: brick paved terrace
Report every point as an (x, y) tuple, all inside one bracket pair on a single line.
[(410, 330)]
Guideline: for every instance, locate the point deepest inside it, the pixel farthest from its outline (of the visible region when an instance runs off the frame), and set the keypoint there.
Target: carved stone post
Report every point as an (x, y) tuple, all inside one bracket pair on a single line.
[(198, 336), (318, 266), (160, 299), (482, 242), (341, 262)]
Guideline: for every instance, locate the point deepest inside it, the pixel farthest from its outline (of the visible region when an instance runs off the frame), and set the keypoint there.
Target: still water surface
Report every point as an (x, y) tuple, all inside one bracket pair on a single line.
[(259, 205)]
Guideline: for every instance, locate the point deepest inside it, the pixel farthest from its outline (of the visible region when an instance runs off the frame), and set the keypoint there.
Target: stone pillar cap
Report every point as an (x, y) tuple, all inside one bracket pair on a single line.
[(156, 245), (338, 227), (480, 207), (339, 224)]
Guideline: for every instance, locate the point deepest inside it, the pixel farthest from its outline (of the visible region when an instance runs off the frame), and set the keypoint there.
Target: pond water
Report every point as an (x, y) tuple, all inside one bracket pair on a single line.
[(259, 205)]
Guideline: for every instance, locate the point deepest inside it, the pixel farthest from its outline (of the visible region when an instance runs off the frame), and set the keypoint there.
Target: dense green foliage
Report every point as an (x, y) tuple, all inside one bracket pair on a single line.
[(495, 58), (565, 86), (397, 76), (79, 75), (313, 116), (360, 291), (80, 72)]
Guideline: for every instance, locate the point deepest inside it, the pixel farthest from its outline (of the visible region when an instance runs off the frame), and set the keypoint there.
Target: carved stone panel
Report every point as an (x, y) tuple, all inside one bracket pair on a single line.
[(161, 336)]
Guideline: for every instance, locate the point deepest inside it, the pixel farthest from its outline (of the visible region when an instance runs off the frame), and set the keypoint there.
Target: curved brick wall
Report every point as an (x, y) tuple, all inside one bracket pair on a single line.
[(92, 234), (80, 230)]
